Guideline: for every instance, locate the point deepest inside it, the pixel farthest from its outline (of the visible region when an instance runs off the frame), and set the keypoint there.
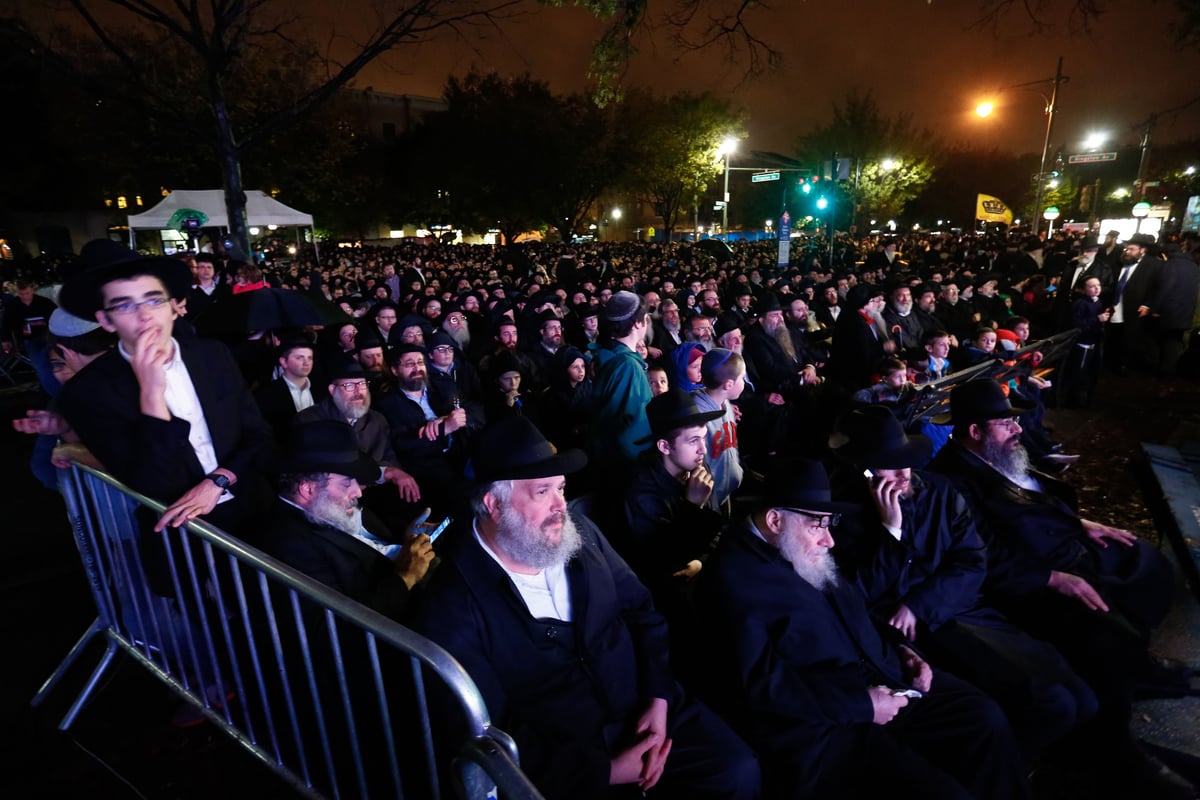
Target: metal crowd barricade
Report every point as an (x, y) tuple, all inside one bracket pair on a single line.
[(327, 693)]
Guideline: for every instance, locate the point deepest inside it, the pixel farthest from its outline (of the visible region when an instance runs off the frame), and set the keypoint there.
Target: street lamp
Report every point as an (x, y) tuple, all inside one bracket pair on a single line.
[(1094, 141), (984, 109), (616, 213), (728, 145), (888, 164)]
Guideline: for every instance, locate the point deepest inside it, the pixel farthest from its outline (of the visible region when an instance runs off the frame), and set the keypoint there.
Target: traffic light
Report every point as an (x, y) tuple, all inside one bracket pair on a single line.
[(805, 186), (822, 203)]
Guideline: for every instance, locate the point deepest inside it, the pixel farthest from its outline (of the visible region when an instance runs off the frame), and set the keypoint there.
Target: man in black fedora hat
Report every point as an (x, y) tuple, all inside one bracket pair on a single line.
[(670, 525), (173, 419), (349, 402), (1094, 591), (1125, 343), (563, 640), (922, 564), (318, 527), (832, 707)]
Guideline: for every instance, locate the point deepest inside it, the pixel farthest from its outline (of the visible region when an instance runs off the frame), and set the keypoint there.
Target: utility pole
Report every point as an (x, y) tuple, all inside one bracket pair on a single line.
[(1051, 107)]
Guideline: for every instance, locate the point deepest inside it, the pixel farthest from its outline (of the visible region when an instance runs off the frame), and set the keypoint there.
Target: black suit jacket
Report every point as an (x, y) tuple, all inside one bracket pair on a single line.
[(275, 402), (1174, 296), (565, 691), (802, 660), (338, 560), (152, 455)]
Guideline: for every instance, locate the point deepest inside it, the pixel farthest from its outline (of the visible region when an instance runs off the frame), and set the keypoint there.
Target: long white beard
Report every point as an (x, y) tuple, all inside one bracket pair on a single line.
[(821, 575), (324, 510)]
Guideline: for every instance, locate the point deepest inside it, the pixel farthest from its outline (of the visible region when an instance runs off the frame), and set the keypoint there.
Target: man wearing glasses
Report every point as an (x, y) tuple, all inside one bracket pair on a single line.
[(172, 419), (349, 401), (1095, 592), (832, 707), (428, 427)]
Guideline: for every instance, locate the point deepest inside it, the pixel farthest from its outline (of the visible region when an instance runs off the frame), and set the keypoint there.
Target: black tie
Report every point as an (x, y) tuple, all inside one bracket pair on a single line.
[(1124, 279)]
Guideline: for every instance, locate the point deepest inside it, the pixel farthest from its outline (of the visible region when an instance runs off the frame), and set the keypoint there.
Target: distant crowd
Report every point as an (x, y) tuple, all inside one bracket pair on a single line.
[(725, 421)]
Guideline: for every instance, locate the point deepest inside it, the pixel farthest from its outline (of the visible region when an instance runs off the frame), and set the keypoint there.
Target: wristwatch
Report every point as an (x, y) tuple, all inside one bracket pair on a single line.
[(219, 479)]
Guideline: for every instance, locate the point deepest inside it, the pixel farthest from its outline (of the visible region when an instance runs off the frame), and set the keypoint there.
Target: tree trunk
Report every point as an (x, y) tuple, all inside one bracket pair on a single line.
[(231, 177)]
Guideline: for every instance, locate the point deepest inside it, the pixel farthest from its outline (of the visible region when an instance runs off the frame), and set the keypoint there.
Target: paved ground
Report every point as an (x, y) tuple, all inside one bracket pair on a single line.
[(122, 746)]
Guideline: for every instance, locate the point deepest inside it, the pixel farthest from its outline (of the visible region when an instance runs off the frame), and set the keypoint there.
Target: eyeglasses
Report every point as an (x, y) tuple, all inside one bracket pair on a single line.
[(454, 319), (443, 348), (350, 386), (131, 307), (821, 520), (1008, 423), (410, 364)]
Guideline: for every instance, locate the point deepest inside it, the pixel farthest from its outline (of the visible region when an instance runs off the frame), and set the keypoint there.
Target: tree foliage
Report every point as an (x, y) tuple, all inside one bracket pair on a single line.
[(890, 159), (675, 142), (207, 77)]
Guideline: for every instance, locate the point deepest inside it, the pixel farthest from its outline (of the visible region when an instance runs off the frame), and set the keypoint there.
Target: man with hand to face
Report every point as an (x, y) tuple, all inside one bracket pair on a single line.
[(671, 526), (563, 640), (922, 564), (831, 705), (173, 420)]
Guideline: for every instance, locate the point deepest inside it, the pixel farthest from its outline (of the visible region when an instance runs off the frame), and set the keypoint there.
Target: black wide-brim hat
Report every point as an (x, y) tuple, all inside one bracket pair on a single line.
[(672, 410), (873, 438), (105, 261), (328, 446), (513, 449), (800, 484), (980, 400)]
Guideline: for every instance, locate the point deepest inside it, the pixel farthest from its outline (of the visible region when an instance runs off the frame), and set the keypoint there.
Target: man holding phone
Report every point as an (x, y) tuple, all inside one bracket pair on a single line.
[(564, 642), (318, 527)]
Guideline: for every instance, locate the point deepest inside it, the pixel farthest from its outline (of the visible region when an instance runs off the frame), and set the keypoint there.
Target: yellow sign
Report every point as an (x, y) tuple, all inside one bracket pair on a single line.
[(992, 209), (650, 232)]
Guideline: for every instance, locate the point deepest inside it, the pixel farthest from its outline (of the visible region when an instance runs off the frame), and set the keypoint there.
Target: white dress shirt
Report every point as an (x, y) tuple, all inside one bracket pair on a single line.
[(546, 593)]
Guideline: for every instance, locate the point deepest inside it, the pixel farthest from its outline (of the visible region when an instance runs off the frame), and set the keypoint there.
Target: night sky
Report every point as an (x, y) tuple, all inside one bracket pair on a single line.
[(917, 57)]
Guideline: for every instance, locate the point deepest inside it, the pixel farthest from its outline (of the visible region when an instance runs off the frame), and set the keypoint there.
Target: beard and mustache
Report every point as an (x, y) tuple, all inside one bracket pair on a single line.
[(529, 544), (324, 510), (354, 412), (1011, 461), (821, 573)]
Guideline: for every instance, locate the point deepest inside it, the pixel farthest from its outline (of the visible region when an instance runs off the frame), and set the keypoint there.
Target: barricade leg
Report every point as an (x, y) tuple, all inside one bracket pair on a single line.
[(47, 687)]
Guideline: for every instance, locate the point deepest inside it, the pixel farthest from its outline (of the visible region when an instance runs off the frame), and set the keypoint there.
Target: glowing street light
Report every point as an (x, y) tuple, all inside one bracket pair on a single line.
[(888, 164), (616, 213), (986, 108), (728, 145), (1095, 141), (1140, 211)]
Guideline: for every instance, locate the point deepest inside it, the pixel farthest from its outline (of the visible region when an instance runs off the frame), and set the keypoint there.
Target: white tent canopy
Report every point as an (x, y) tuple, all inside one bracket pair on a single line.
[(261, 209)]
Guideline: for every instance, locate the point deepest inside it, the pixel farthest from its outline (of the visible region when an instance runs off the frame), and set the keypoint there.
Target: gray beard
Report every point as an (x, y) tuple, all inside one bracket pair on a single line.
[(325, 511), (461, 336), (822, 575), (528, 546), (349, 412), (1012, 464), (903, 309)]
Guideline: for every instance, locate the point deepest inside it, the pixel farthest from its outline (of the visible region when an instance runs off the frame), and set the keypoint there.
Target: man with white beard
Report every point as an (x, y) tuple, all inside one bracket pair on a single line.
[(904, 326), (349, 402), (777, 367), (318, 527), (831, 706), (1093, 591), (564, 642)]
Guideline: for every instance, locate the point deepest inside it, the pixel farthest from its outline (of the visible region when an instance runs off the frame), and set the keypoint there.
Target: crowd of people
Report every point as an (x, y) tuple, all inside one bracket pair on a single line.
[(700, 545)]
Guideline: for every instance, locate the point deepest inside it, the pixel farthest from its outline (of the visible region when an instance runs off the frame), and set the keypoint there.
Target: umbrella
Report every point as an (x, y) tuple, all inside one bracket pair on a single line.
[(260, 310), (714, 247), (327, 313)]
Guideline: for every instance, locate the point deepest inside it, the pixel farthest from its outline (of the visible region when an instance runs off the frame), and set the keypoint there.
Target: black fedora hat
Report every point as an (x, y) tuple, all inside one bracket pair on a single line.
[(978, 401), (800, 484), (513, 449), (328, 446), (104, 261), (873, 438), (672, 410)]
